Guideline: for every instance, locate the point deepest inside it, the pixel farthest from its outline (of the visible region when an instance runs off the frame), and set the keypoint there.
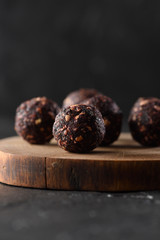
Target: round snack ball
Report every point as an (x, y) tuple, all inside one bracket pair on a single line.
[(78, 96), (144, 121), (79, 128), (111, 114), (34, 120)]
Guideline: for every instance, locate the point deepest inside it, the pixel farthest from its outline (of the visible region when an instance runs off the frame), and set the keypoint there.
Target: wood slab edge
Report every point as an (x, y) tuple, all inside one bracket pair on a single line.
[(110, 176), (23, 171)]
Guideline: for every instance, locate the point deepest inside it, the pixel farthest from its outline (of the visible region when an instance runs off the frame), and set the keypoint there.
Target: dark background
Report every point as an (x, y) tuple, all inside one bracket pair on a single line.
[(53, 47)]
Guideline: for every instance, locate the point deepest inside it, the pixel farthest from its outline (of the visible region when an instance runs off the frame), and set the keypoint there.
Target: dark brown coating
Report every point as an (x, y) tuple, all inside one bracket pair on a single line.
[(111, 114), (34, 120), (79, 128), (144, 121), (78, 96)]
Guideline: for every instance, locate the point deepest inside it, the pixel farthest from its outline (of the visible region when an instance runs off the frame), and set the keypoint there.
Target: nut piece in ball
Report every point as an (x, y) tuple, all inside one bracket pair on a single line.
[(111, 114), (79, 96), (79, 128), (144, 121), (34, 120)]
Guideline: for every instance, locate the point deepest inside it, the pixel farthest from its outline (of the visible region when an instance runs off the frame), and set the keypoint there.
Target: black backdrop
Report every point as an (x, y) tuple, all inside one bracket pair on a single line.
[(53, 47)]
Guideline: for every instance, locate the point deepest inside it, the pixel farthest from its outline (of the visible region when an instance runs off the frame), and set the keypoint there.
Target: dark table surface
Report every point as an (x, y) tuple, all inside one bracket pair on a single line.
[(66, 215)]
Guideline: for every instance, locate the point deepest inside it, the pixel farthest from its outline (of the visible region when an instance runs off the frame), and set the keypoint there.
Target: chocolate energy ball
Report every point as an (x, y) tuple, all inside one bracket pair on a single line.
[(111, 114), (79, 96), (144, 121), (34, 119), (79, 128)]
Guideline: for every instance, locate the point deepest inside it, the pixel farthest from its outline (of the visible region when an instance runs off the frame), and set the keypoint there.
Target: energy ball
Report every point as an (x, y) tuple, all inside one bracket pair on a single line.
[(111, 114), (79, 128), (78, 96), (144, 121), (34, 120)]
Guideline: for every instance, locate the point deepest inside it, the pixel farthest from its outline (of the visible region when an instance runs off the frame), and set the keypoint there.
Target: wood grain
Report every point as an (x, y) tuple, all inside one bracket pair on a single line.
[(124, 166)]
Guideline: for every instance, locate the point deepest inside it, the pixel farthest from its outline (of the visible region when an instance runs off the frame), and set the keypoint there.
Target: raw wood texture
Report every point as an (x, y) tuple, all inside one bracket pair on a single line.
[(124, 166)]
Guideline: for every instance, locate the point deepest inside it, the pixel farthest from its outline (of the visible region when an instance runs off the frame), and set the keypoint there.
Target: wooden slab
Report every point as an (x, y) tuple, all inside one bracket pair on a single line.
[(124, 166)]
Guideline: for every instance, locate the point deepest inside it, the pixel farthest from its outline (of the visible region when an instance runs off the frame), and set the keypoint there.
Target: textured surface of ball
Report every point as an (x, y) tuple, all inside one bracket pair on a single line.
[(34, 120), (78, 96), (111, 114), (144, 121), (79, 128)]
